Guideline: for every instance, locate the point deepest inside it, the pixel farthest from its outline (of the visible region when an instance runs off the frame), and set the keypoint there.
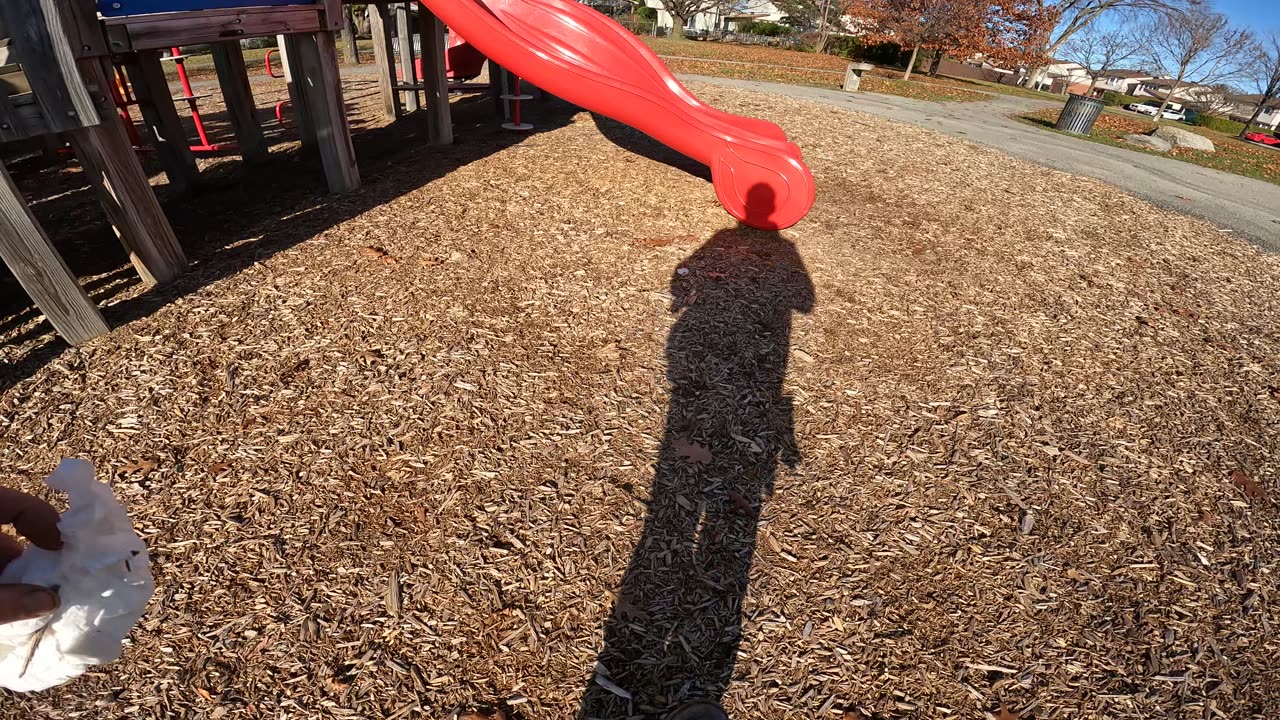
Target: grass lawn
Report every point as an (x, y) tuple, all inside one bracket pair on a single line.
[(1233, 154), (753, 62), (1001, 89)]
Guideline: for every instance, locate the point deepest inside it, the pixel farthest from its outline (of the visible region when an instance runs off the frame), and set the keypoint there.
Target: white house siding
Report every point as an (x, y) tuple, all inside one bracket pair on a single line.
[(718, 19)]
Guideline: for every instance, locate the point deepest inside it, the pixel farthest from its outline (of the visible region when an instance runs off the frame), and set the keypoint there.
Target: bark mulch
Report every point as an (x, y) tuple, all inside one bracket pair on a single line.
[(976, 439)]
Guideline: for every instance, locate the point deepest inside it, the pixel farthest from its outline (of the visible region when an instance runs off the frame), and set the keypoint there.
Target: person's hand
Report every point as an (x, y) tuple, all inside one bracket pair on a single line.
[(37, 521)]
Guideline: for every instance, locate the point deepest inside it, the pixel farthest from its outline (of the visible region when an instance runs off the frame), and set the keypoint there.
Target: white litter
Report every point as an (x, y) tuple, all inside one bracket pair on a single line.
[(101, 575)]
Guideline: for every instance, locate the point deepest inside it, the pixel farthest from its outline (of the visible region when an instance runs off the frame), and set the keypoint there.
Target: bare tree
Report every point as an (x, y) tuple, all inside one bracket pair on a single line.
[(1264, 74), (1197, 48), (824, 16), (1076, 15), (1215, 101), (1098, 50), (682, 11)]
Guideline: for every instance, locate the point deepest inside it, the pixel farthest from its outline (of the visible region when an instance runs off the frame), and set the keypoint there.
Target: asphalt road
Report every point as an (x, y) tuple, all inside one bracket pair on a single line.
[(1248, 207)]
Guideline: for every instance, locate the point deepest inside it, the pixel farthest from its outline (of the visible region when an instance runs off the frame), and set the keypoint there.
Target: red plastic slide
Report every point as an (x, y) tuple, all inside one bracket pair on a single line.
[(576, 53)]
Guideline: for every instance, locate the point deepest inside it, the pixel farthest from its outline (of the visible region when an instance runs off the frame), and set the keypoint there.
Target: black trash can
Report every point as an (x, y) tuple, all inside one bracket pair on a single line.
[(1079, 114)]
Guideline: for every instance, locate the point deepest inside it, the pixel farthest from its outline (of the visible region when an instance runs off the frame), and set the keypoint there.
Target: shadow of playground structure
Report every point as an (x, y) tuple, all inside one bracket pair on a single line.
[(676, 625)]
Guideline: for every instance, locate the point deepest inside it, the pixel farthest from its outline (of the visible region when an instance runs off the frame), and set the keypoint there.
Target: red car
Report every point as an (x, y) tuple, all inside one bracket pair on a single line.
[(1263, 139)]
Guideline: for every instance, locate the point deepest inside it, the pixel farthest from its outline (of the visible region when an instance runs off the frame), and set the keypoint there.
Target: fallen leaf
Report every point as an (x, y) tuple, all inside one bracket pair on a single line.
[(741, 505), (609, 352), (310, 630), (377, 253), (628, 611), (1251, 488), (339, 684), (141, 467), (696, 453)]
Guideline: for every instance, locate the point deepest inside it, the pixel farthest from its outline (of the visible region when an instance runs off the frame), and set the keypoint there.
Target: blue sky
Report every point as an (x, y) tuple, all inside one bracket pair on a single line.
[(1261, 15)]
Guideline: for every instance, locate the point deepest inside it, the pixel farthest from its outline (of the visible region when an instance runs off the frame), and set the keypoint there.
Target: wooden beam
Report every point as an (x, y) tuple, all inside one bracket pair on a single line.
[(383, 59), (10, 122), (160, 117), (233, 77), (84, 32), (163, 30), (112, 168), (334, 12), (289, 62), (42, 44), (40, 270), (408, 68), (439, 118), (322, 85)]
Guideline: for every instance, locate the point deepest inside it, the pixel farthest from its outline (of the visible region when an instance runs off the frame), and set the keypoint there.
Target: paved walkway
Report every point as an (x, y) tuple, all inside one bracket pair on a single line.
[(1249, 207)]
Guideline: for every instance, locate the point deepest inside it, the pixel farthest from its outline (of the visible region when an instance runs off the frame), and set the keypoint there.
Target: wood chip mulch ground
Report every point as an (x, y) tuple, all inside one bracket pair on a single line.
[(976, 439)]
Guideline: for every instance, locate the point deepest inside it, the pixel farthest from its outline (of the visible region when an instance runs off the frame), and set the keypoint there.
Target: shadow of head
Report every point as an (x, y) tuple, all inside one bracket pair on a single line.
[(744, 268), (761, 200)]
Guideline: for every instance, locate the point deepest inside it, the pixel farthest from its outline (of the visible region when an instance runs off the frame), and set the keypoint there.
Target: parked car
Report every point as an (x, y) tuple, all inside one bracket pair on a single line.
[(1263, 139), (1152, 108)]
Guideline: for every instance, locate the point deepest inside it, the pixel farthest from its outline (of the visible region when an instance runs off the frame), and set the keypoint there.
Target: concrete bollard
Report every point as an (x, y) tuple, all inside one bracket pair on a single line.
[(853, 75)]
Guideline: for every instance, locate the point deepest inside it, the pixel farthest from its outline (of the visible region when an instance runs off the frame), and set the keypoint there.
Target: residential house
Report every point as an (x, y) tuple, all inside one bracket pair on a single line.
[(1063, 76), (1242, 107), (1203, 98), (720, 18), (1159, 88), (1121, 81)]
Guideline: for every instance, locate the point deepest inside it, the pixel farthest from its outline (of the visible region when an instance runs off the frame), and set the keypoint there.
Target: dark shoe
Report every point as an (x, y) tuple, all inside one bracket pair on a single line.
[(698, 710)]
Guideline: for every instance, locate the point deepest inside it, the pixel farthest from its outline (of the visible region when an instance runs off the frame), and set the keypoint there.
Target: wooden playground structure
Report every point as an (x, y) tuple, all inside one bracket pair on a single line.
[(58, 69)]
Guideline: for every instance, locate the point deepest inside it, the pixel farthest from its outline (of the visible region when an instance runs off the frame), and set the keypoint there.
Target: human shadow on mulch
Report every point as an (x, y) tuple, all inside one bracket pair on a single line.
[(675, 627), (240, 215)]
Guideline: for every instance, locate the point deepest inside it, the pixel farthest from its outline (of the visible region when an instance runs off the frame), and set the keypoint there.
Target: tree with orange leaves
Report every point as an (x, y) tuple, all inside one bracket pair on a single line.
[(1006, 30)]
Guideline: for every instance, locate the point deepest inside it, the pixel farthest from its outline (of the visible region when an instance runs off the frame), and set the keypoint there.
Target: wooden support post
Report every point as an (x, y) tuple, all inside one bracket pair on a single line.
[(384, 60), (40, 269), (350, 49), (39, 32), (233, 77), (439, 118), (160, 116), (408, 67), (112, 168), (318, 71), (289, 61)]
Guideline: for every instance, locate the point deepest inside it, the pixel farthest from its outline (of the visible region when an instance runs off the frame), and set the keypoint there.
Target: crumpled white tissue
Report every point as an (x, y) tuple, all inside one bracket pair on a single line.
[(102, 577)]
